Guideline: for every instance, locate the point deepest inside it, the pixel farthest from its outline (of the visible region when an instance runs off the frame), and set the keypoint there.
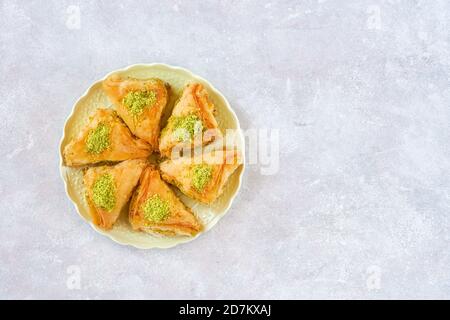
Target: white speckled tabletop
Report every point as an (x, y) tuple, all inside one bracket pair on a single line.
[(359, 204)]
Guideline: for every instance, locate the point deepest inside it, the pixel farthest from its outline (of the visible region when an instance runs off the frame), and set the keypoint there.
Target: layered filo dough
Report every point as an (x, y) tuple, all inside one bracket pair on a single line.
[(108, 189), (192, 122), (105, 138), (140, 103), (203, 176), (155, 208)]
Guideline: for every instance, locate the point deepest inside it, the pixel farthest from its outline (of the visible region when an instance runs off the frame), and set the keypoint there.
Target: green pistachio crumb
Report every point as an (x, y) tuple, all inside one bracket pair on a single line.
[(156, 209), (201, 175), (98, 139), (187, 127), (137, 101), (103, 192)]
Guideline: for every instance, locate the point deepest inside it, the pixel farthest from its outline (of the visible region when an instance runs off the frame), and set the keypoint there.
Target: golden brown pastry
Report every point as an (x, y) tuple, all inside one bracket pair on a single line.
[(105, 138), (139, 103), (108, 189), (155, 208), (201, 177), (192, 122)]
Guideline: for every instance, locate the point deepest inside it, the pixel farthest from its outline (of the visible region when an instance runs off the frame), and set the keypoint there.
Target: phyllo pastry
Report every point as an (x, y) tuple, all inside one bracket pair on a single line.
[(105, 138), (192, 122), (139, 103), (203, 176), (108, 189), (155, 208)]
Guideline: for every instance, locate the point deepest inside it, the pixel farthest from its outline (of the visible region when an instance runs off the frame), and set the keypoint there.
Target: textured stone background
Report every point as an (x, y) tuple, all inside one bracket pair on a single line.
[(358, 89)]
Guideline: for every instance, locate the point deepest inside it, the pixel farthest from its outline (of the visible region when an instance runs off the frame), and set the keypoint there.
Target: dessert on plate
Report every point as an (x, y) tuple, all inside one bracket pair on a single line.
[(126, 165)]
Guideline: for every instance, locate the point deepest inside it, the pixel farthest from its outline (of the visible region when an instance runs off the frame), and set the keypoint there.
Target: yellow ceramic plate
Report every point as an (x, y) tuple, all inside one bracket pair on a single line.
[(95, 98)]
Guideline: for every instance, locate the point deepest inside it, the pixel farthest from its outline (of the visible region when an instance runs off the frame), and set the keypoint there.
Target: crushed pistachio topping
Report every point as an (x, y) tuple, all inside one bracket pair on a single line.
[(187, 127), (137, 101), (156, 209), (103, 192), (98, 139), (201, 175)]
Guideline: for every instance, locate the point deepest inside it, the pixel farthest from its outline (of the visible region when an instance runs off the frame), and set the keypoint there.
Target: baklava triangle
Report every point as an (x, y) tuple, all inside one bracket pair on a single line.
[(155, 208), (105, 138), (192, 122), (108, 189), (140, 103), (203, 176)]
